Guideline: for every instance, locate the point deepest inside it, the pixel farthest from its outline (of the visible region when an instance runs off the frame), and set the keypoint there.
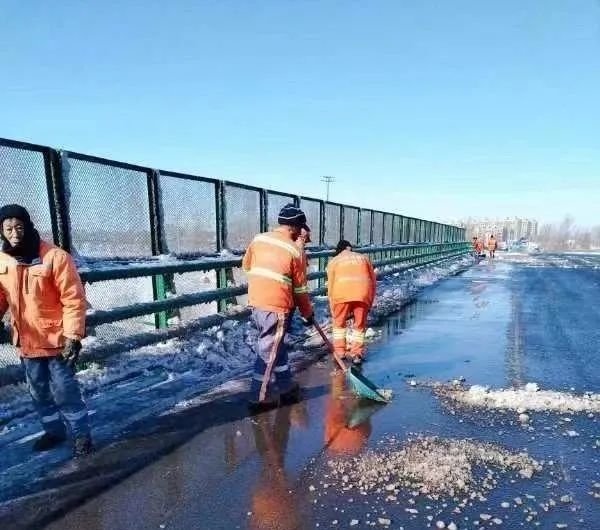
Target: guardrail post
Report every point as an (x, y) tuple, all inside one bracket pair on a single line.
[(221, 238), (322, 261), (57, 198), (159, 282), (264, 210)]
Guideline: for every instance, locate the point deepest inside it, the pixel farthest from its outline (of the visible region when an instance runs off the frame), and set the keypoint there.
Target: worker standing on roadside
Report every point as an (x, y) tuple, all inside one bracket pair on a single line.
[(40, 286), (477, 246), (351, 287), (276, 285), (492, 245)]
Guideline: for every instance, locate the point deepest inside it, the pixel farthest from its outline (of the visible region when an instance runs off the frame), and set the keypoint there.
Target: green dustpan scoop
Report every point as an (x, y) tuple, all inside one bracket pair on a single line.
[(365, 388)]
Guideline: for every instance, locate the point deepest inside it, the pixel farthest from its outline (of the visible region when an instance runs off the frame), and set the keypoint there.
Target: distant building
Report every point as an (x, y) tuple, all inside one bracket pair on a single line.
[(509, 229)]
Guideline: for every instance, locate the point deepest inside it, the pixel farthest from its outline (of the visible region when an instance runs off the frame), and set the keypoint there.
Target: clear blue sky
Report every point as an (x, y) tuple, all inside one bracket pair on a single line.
[(436, 109)]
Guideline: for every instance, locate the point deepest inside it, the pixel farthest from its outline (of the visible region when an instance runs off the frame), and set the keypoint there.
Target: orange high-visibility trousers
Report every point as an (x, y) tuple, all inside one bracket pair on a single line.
[(340, 313)]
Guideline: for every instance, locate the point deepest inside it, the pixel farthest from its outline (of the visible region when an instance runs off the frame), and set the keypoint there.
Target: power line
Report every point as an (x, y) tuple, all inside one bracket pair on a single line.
[(328, 180)]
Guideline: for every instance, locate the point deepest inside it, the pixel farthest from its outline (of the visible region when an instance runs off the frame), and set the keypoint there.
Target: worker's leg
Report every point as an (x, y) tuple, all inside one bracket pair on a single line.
[(67, 397), (37, 375), (339, 314), (269, 345), (359, 328)]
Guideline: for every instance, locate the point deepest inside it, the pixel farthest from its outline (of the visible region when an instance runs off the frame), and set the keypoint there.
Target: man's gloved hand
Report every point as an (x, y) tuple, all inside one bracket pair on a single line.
[(308, 321), (4, 334), (70, 353)]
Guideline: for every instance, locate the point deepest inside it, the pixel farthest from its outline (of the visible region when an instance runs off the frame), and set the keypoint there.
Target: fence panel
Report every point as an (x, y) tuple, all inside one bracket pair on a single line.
[(312, 209), (332, 224), (189, 213), (397, 229), (23, 181), (108, 208), (276, 201), (388, 220), (377, 228), (242, 215), (365, 227), (351, 224)]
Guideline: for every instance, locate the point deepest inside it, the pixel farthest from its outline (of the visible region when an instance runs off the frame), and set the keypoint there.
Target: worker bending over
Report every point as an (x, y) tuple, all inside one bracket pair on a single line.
[(276, 285), (351, 286)]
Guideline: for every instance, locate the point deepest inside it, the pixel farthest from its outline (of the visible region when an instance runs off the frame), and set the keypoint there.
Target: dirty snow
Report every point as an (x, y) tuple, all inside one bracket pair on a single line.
[(521, 400), (431, 465)]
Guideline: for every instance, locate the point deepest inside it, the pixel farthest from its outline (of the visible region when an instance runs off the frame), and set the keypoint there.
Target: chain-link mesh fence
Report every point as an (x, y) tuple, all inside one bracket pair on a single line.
[(332, 224), (377, 228), (109, 210), (23, 181), (365, 227), (189, 214), (388, 220), (242, 215), (275, 202), (312, 210), (351, 224)]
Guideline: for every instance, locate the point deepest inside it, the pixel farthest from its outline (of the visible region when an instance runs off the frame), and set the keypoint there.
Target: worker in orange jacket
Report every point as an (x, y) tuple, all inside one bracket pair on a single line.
[(40, 286), (351, 287), (492, 246), (276, 285)]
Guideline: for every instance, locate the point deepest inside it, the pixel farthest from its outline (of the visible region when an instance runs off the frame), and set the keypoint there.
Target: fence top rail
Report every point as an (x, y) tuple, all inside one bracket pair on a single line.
[(107, 162), (104, 271), (16, 144), (186, 176), (243, 186)]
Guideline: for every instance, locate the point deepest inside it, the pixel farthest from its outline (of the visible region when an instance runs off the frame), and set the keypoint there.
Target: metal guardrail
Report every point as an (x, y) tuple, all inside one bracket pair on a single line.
[(412, 254), (107, 212)]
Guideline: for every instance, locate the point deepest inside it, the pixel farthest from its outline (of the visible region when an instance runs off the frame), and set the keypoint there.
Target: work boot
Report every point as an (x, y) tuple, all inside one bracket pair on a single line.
[(48, 441), (82, 446)]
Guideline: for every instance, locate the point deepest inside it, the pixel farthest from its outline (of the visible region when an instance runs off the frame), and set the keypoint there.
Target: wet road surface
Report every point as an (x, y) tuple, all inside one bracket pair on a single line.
[(501, 324)]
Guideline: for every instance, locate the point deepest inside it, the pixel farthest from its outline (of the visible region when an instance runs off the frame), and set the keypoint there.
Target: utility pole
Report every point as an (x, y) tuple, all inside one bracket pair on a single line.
[(328, 180)]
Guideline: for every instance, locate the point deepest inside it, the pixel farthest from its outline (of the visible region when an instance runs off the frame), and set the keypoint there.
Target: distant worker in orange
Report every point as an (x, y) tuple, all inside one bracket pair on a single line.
[(276, 285), (351, 286), (477, 246), (492, 246)]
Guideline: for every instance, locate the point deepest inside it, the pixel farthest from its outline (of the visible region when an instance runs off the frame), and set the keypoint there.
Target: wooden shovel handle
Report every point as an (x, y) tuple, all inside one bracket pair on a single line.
[(330, 346)]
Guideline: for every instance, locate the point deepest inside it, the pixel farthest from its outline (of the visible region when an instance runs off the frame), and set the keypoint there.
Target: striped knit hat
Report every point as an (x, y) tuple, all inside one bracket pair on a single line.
[(292, 216)]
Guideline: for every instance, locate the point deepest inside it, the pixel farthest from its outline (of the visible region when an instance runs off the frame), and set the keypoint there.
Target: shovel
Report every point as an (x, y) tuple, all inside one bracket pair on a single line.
[(360, 384)]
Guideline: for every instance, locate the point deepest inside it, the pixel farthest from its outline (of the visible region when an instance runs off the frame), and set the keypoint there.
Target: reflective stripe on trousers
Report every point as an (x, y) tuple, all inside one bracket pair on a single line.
[(272, 373)]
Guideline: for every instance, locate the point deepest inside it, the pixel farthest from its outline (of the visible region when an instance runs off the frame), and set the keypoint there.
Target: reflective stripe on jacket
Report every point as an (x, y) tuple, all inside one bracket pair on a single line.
[(351, 278), (276, 274), (46, 301)]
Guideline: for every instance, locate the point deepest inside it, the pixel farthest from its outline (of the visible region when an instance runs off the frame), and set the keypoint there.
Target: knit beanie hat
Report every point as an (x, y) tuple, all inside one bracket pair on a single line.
[(292, 216), (16, 211)]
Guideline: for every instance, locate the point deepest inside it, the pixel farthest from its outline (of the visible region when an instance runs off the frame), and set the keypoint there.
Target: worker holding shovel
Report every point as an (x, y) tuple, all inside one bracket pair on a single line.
[(351, 286)]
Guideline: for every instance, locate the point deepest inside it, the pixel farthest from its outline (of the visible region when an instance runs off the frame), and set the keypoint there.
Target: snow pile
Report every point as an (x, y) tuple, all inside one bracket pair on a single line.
[(431, 465), (527, 398)]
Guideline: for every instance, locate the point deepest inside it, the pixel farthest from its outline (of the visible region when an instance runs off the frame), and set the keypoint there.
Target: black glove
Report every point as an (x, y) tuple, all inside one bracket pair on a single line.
[(70, 353), (308, 321), (4, 334)]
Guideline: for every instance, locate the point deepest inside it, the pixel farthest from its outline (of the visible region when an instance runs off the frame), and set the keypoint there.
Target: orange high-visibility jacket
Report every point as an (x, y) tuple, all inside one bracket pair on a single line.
[(276, 274), (351, 278), (46, 301), (492, 244), (479, 246)]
